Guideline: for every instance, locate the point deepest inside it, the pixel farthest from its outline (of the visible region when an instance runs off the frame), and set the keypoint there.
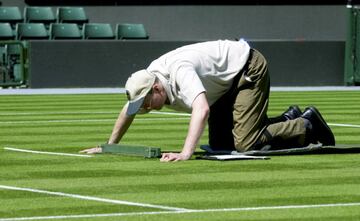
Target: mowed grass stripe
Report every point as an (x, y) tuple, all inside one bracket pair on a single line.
[(304, 97), (206, 195), (66, 130), (203, 183), (67, 97), (50, 205), (41, 103), (72, 137), (92, 134), (214, 195), (46, 128), (316, 94), (216, 214), (312, 97), (152, 178), (83, 115)]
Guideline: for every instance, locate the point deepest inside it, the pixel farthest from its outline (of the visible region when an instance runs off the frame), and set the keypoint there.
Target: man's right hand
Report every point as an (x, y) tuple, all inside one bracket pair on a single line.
[(93, 150)]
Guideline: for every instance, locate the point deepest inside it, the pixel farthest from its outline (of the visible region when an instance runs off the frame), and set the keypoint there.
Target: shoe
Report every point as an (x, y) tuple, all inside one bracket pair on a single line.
[(292, 112), (320, 131)]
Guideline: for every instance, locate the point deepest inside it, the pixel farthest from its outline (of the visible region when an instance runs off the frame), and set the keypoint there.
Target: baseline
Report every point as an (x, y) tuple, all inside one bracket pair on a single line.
[(92, 198), (45, 152), (262, 208)]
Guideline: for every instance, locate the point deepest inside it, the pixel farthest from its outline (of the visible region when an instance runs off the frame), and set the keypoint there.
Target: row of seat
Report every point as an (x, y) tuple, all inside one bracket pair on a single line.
[(17, 27), (31, 23), (25, 31), (13, 15)]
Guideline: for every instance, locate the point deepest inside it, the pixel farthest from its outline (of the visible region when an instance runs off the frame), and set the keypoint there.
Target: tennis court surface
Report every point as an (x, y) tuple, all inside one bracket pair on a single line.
[(43, 177)]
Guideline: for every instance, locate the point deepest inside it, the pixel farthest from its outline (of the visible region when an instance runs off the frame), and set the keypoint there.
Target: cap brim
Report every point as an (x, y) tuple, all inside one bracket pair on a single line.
[(134, 106)]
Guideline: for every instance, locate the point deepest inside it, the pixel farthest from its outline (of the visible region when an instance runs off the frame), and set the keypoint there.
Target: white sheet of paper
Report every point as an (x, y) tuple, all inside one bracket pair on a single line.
[(236, 157)]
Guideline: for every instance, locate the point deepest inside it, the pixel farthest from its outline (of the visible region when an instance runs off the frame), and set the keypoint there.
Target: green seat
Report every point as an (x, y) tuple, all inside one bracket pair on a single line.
[(65, 31), (72, 15), (131, 31), (26, 31), (39, 15), (98, 31), (11, 15), (6, 32)]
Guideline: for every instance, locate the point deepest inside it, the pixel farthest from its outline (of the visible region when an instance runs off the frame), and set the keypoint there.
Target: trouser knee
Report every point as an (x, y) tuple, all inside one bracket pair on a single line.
[(289, 134)]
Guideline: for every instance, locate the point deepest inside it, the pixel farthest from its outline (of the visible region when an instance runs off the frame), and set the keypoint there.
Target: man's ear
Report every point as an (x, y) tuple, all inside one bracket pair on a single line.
[(156, 87)]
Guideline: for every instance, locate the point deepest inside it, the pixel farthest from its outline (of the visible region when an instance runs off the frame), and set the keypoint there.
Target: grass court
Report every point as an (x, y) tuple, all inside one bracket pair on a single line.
[(39, 186)]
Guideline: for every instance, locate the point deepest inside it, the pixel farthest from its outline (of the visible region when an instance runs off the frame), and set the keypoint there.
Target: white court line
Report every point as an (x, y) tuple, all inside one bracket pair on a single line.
[(185, 211), (45, 152), (343, 125), (76, 196)]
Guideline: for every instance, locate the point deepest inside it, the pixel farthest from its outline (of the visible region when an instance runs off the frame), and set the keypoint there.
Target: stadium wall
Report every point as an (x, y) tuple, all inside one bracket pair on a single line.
[(56, 64)]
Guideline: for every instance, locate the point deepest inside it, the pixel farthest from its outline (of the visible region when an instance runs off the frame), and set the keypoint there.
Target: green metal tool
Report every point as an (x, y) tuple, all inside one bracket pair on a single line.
[(132, 150)]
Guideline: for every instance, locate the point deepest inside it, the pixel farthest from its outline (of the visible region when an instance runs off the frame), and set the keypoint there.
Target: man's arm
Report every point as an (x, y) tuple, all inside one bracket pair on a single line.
[(199, 116), (122, 124)]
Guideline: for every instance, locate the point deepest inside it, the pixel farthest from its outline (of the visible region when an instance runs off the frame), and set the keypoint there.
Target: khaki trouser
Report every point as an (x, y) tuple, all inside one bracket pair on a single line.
[(238, 120)]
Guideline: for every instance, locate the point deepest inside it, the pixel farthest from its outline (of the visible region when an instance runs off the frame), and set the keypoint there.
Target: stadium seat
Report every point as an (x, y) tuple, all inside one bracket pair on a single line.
[(11, 15), (72, 15), (131, 31), (6, 32), (98, 31), (43, 15), (31, 31), (65, 31)]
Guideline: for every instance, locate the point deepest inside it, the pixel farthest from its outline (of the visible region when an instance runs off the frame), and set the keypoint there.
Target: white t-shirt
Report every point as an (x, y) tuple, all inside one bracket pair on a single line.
[(203, 67)]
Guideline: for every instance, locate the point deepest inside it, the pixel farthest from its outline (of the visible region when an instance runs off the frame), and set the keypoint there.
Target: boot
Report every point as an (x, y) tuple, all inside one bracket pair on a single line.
[(319, 131)]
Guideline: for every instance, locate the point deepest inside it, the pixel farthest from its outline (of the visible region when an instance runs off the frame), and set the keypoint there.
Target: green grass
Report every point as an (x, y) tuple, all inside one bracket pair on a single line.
[(70, 123)]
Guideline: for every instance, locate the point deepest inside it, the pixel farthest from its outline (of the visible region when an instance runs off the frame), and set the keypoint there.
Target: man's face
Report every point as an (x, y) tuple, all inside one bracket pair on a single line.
[(154, 100)]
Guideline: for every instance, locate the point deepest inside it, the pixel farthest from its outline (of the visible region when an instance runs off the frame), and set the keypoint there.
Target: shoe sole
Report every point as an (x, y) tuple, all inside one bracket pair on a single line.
[(323, 122)]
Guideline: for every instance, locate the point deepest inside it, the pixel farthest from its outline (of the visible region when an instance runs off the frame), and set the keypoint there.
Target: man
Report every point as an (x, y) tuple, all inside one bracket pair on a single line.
[(225, 84)]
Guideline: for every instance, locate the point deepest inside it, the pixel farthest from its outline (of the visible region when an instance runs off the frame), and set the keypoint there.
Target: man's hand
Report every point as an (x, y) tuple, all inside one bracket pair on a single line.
[(173, 157), (93, 150)]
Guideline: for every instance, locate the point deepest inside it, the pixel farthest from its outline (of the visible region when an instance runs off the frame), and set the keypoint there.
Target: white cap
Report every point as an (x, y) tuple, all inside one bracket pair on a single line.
[(137, 87)]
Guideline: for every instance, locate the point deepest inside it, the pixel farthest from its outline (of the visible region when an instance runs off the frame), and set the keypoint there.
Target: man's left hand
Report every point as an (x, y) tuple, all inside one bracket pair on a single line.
[(173, 157)]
